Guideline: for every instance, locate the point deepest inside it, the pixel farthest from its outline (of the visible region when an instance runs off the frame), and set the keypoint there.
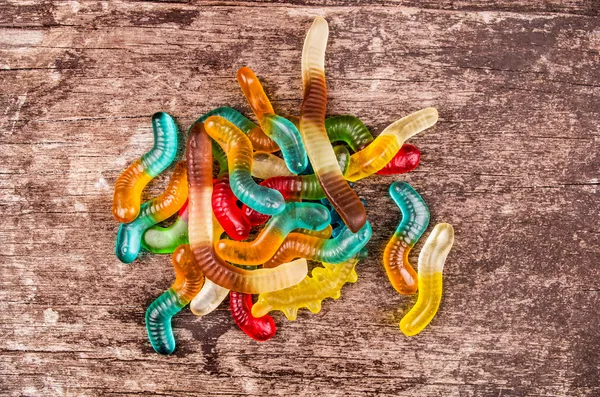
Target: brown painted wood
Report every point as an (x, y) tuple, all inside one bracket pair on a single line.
[(513, 164)]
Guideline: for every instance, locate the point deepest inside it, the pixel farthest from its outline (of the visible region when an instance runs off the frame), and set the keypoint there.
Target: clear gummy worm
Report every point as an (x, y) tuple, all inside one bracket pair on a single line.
[(201, 230), (267, 165), (431, 265), (128, 188), (188, 282), (281, 130), (129, 237), (314, 134), (415, 219), (310, 216), (238, 148), (208, 299)]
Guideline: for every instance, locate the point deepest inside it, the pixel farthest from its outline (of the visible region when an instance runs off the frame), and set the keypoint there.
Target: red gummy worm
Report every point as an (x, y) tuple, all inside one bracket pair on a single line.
[(229, 215), (407, 159), (261, 328)]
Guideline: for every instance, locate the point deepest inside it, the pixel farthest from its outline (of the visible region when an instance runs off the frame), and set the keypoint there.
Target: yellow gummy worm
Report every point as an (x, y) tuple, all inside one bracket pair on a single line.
[(431, 265), (383, 149)]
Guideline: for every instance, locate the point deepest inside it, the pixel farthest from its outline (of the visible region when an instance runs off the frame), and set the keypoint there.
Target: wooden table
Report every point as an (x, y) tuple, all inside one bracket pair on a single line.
[(513, 164)]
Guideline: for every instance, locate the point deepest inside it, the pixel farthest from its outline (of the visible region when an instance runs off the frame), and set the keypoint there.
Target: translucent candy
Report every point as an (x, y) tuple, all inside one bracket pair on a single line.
[(310, 216), (336, 250), (326, 282), (129, 237), (415, 219), (208, 299), (258, 138), (238, 148), (267, 165), (201, 230), (406, 160), (314, 134), (431, 265), (188, 281), (383, 149), (281, 130), (164, 240), (258, 328), (129, 186), (296, 187)]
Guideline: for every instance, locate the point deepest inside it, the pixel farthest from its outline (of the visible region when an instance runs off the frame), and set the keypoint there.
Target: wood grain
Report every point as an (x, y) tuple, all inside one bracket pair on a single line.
[(513, 164)]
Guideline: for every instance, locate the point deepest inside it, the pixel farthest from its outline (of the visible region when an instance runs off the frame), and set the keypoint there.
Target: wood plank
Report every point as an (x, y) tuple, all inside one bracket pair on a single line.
[(512, 165)]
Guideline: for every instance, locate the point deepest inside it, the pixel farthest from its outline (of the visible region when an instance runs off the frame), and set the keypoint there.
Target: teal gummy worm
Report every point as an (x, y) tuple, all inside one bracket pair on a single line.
[(165, 144), (287, 137), (279, 129), (129, 186), (233, 116), (188, 282), (335, 250), (238, 148), (158, 321), (415, 219)]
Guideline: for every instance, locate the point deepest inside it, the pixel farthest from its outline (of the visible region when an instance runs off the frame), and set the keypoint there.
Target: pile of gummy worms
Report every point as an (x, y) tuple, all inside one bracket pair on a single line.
[(305, 202)]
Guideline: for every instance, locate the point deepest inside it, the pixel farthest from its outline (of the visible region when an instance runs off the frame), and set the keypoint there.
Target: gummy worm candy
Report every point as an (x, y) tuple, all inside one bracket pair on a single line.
[(260, 329), (267, 165), (406, 160), (296, 187), (129, 186), (310, 216), (281, 130), (324, 233), (201, 230), (239, 156), (208, 299), (336, 250), (351, 130), (225, 208), (326, 282), (383, 149), (337, 223), (129, 237), (164, 240), (224, 202), (314, 135), (348, 129), (415, 219), (260, 141), (431, 265), (188, 282)]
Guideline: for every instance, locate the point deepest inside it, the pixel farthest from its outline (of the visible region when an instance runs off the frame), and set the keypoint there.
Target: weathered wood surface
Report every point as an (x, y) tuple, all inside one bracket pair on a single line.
[(513, 164)]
